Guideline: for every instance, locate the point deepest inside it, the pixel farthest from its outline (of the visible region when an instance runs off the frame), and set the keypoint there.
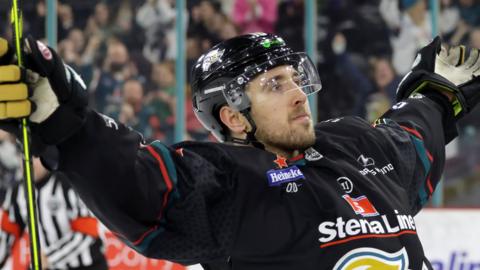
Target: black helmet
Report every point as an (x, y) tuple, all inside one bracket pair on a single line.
[(220, 75)]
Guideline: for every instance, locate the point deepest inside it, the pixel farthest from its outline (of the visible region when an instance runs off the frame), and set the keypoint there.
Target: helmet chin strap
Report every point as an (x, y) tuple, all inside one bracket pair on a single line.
[(250, 134)]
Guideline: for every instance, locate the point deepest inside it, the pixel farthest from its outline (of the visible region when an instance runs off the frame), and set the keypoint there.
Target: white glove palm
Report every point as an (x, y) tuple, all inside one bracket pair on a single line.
[(451, 64)]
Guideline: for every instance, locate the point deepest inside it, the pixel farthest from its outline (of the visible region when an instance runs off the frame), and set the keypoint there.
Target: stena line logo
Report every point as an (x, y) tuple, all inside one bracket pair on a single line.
[(278, 177), (341, 230), (361, 206)]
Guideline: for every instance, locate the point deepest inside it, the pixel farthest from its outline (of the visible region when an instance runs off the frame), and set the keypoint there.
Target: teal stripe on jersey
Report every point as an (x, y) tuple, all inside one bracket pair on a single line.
[(167, 158), (422, 154), (172, 172), (145, 244), (163, 153)]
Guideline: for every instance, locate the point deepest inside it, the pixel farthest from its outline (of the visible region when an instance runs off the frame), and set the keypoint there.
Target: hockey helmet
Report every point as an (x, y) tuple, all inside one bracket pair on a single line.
[(221, 75)]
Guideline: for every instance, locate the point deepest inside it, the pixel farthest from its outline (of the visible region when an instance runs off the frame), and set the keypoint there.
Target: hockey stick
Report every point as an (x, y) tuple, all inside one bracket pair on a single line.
[(35, 259)]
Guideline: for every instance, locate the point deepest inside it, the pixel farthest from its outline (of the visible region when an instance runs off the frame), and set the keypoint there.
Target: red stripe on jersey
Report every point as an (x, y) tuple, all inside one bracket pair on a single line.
[(430, 157), (166, 177), (367, 236), (412, 131), (168, 183), (429, 185), (297, 157), (85, 225), (10, 227)]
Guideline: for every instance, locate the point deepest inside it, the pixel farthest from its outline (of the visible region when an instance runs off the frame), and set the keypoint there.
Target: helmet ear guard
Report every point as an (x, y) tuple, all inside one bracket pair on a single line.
[(206, 107)]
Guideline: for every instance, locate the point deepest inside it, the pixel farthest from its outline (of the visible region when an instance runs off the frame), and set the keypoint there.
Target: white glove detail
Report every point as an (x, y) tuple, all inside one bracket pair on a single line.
[(450, 64), (45, 100)]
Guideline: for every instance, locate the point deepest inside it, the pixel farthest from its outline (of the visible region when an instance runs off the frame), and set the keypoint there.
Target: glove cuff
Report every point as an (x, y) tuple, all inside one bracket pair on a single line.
[(448, 119), (62, 124), (471, 93), (422, 81)]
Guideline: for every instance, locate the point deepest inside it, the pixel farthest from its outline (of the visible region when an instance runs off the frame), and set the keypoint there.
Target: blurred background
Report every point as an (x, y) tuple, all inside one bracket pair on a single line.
[(126, 51)]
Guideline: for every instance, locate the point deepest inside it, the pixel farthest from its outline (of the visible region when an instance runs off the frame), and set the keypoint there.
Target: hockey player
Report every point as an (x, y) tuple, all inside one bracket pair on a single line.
[(280, 192)]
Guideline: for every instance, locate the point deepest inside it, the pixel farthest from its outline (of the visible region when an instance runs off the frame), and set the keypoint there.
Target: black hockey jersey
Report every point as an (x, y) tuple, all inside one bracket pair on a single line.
[(347, 201)]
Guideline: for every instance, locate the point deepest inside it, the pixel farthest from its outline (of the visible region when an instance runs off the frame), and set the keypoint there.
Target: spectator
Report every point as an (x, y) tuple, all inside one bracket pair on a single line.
[(66, 20), (72, 47), (390, 12), (157, 18), (415, 32), (99, 22), (125, 29), (469, 14), (162, 99), (228, 30), (375, 88), (37, 22), (385, 78), (449, 18), (385, 82), (475, 37), (255, 15), (132, 111), (374, 41), (115, 71), (201, 23), (345, 67), (79, 53), (289, 26)]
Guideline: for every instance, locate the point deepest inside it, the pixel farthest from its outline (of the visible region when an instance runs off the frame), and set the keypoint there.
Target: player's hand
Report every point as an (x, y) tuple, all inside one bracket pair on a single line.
[(462, 71), (14, 94), (451, 64), (58, 99), (436, 68)]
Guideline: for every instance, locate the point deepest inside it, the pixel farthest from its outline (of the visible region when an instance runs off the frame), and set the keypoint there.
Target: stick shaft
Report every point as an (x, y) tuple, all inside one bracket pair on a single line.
[(35, 252)]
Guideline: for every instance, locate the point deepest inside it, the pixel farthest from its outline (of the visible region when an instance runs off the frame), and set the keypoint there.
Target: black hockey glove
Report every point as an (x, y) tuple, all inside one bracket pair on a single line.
[(57, 105), (436, 69)]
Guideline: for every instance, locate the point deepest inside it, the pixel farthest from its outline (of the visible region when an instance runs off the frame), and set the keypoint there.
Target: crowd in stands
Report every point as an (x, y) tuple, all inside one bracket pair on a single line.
[(125, 50), (367, 46)]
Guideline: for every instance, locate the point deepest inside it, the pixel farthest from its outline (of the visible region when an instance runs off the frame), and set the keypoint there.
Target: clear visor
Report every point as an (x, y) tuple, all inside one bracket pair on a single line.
[(287, 75)]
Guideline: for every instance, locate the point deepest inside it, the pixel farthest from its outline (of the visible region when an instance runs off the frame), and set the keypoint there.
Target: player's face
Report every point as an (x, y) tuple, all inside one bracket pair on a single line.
[(280, 110)]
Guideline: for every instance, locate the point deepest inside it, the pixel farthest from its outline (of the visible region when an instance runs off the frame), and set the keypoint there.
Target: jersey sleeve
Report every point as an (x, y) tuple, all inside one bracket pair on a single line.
[(164, 202), (416, 131)]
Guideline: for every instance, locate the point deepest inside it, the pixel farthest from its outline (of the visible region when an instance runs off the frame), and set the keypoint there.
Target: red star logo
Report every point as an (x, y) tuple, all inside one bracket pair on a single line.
[(281, 162)]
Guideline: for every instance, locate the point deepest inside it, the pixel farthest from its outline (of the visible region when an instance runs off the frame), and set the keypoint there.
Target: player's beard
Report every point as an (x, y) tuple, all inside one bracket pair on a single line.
[(287, 139)]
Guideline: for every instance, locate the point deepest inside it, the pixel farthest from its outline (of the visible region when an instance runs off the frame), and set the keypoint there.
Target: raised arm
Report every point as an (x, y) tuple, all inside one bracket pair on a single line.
[(163, 203), (441, 88)]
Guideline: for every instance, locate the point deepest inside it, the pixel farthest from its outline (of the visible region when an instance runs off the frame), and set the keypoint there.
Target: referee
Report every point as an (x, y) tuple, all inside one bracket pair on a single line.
[(69, 233)]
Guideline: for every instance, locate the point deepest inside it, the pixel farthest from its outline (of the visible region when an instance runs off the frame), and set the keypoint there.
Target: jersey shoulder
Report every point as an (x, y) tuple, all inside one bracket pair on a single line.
[(344, 127)]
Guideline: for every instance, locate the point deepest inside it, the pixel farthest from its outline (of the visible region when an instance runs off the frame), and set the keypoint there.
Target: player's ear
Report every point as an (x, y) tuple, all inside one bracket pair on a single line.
[(233, 120)]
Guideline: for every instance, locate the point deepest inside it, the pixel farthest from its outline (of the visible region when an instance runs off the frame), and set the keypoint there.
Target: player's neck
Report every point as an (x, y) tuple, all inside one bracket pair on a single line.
[(281, 152)]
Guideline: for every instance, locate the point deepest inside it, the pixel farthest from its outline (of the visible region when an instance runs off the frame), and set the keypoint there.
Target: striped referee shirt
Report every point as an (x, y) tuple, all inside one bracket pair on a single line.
[(68, 232)]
